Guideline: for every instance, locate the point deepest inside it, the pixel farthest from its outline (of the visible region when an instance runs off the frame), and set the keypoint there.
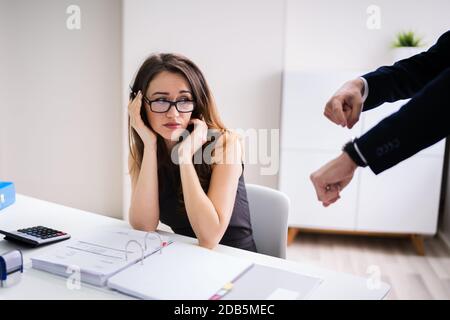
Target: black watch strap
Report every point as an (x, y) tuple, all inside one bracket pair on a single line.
[(349, 147)]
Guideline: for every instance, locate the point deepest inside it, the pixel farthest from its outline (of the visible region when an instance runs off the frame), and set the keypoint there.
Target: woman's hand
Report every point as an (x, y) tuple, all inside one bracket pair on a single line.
[(194, 141), (134, 111)]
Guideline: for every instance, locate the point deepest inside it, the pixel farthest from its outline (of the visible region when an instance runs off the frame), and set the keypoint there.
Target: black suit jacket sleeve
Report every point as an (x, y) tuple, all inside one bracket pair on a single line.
[(423, 121), (407, 77)]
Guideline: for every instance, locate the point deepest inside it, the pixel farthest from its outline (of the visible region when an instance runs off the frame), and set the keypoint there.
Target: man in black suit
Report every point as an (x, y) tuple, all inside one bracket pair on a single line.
[(420, 123)]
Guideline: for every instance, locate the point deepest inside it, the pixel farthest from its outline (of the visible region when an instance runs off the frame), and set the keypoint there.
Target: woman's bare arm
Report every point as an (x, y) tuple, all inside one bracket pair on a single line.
[(210, 214), (144, 208)]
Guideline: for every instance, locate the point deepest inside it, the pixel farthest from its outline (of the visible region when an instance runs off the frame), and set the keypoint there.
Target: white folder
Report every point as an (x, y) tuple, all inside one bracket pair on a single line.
[(182, 271)]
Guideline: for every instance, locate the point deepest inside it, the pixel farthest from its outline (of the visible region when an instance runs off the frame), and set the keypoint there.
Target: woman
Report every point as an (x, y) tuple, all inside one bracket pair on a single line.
[(195, 186)]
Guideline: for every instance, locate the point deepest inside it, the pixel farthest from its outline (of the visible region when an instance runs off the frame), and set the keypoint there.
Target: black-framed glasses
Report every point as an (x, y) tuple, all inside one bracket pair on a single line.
[(162, 105)]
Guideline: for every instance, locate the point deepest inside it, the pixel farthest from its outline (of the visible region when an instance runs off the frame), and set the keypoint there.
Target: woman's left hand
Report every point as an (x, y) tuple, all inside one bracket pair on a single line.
[(194, 141)]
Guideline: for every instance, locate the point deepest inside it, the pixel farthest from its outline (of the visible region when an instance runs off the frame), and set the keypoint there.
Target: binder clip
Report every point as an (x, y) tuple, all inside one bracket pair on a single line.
[(11, 267)]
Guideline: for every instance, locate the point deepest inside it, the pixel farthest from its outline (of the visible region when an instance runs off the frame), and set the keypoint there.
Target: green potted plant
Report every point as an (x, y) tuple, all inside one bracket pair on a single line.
[(406, 44)]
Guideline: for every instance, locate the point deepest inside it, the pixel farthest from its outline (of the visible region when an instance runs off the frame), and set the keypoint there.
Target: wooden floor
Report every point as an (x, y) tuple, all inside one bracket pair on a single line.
[(410, 276)]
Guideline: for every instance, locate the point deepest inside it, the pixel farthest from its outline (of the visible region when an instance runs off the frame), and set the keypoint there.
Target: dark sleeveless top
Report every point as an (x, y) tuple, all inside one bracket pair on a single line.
[(239, 231)]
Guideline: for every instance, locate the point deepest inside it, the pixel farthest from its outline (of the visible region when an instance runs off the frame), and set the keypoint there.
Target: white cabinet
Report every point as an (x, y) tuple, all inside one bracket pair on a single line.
[(403, 199), (303, 123), (305, 210)]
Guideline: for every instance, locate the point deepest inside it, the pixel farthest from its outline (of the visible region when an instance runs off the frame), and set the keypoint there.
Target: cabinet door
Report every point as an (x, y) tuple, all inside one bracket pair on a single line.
[(306, 211), (303, 124), (403, 199)]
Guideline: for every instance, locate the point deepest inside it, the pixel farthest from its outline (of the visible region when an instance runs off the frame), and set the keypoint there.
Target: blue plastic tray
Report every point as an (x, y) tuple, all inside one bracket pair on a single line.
[(7, 194)]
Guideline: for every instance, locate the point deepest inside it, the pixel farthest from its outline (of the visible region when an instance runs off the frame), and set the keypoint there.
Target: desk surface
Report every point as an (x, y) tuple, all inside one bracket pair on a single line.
[(27, 212)]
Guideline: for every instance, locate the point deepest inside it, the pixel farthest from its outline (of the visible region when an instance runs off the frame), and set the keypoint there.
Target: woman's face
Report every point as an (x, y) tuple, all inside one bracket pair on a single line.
[(172, 87)]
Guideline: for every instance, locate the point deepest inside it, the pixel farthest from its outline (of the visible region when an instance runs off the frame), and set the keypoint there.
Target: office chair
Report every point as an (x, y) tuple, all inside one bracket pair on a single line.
[(269, 210)]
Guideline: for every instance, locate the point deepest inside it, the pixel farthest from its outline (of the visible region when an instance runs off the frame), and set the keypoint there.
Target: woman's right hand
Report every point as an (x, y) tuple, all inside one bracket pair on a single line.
[(147, 135)]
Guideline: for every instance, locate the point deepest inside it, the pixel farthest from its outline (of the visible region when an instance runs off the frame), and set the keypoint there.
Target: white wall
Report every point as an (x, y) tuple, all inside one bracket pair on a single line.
[(237, 44), (323, 34), (61, 103), (3, 83)]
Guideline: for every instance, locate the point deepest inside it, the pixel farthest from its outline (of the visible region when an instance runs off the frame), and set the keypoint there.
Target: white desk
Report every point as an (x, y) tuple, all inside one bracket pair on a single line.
[(27, 212)]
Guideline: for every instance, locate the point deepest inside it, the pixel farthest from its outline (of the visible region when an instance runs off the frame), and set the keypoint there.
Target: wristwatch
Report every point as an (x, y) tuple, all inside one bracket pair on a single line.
[(351, 148)]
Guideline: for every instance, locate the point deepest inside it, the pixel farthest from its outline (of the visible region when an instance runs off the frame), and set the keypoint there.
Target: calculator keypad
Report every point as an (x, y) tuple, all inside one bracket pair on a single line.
[(42, 232)]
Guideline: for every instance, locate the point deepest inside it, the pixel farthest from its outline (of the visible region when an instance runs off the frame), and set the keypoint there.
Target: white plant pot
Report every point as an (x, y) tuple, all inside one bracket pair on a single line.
[(405, 52)]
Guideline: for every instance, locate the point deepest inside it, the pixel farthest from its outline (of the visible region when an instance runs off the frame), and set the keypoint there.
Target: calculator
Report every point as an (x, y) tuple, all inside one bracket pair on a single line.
[(35, 236)]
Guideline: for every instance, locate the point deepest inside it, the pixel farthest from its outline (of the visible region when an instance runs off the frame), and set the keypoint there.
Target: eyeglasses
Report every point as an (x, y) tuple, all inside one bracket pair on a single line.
[(163, 105)]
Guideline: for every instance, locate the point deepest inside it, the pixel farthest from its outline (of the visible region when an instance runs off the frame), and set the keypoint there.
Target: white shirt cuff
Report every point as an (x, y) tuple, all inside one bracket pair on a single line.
[(366, 89), (359, 153)]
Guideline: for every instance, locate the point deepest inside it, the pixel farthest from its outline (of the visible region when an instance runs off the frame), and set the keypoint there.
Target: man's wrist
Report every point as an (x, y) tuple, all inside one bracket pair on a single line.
[(354, 153), (364, 89), (345, 156)]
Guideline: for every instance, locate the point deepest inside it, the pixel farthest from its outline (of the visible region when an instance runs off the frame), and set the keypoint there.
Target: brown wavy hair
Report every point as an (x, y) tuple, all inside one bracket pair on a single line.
[(205, 108)]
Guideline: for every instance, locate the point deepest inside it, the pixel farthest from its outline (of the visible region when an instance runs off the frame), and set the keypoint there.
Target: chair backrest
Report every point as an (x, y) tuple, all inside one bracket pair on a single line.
[(269, 209)]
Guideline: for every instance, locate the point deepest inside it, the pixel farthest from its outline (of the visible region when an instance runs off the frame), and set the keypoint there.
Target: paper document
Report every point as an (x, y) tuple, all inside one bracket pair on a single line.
[(262, 282)]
